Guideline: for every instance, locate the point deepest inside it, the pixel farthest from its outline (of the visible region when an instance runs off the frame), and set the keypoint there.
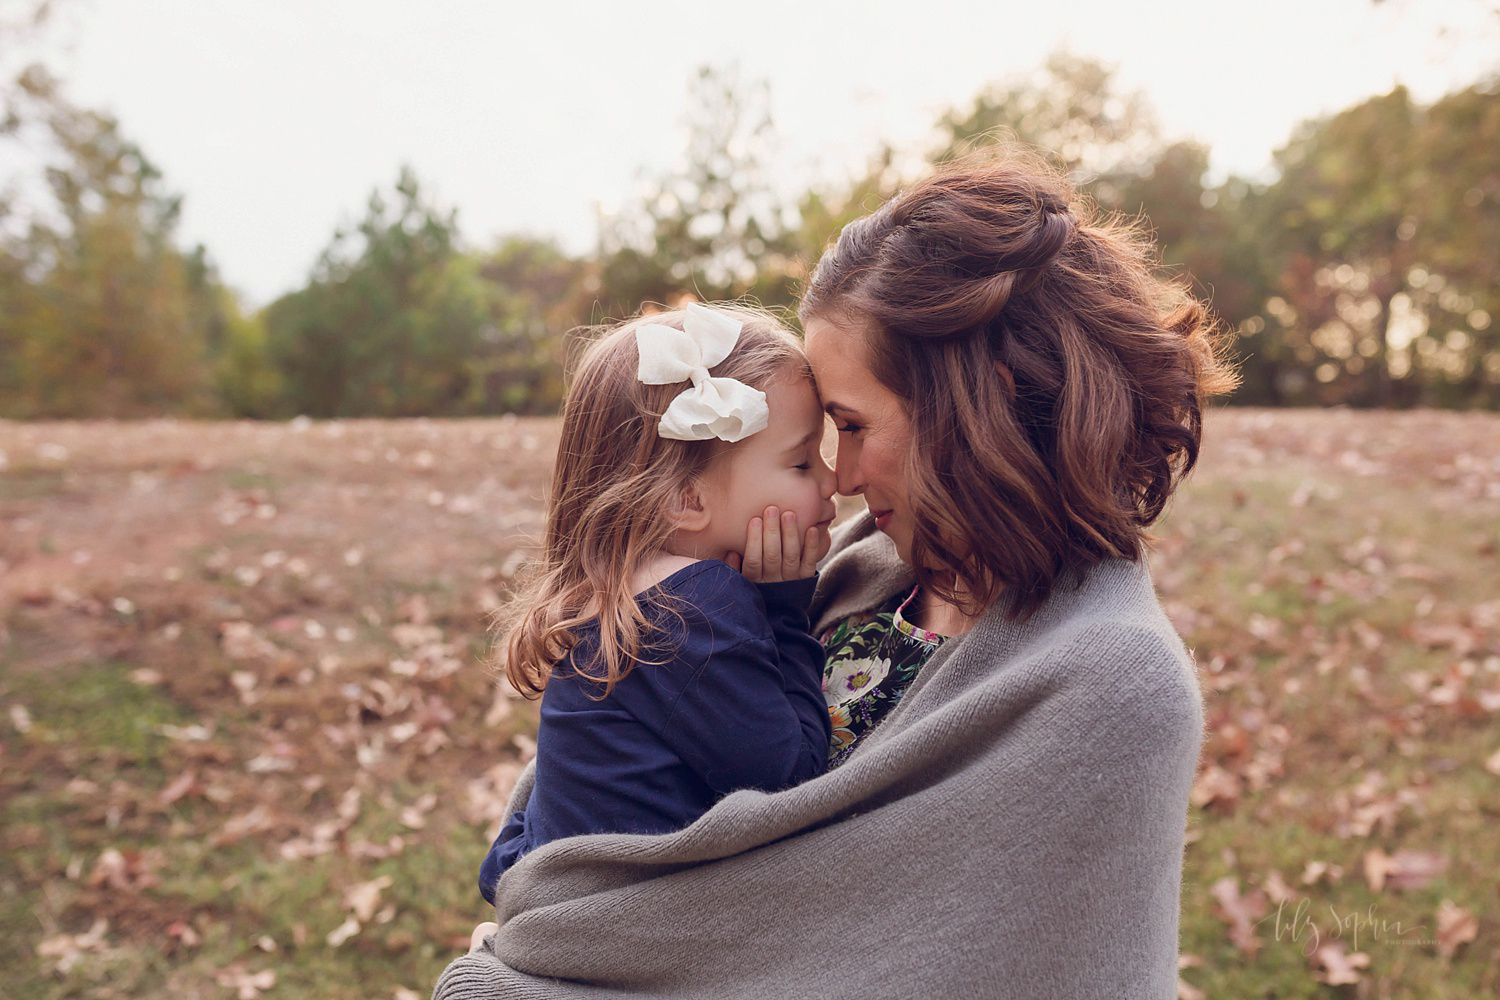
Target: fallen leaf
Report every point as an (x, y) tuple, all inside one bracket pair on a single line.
[(68, 949), (362, 899), (1333, 966), (1455, 928), (1216, 786), (1277, 889), (1240, 912), (1316, 871), (1402, 870), (124, 871), (257, 820), (179, 787), (343, 932), (247, 985), (183, 931)]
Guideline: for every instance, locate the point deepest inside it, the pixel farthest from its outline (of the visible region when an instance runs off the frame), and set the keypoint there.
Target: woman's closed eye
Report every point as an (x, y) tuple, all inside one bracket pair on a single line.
[(848, 427)]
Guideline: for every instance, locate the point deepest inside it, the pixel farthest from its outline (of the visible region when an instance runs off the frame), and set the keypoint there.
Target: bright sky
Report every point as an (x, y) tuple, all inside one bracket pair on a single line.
[(276, 118)]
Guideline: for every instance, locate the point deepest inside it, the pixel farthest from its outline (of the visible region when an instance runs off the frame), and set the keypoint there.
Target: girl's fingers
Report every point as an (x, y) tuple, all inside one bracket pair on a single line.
[(812, 552), (771, 541), (791, 546), (754, 564)]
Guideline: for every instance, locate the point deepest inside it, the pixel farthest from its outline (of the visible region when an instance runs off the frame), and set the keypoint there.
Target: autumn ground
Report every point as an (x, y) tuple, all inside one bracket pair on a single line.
[(247, 746)]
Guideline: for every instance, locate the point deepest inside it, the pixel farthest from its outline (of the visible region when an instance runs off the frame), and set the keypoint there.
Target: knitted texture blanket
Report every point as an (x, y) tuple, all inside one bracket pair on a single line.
[(1014, 828)]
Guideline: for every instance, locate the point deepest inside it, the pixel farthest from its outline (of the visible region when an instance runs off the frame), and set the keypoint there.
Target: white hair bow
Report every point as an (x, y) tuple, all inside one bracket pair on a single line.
[(723, 408)]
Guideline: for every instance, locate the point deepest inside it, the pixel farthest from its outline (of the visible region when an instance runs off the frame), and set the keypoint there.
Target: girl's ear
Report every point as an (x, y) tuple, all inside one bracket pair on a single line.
[(689, 512)]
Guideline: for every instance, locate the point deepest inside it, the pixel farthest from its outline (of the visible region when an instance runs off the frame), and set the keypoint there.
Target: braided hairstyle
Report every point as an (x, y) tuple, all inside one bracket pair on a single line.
[(1053, 379)]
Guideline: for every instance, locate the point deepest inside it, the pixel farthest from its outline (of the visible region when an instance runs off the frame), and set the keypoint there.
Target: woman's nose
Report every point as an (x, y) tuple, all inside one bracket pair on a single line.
[(846, 471)]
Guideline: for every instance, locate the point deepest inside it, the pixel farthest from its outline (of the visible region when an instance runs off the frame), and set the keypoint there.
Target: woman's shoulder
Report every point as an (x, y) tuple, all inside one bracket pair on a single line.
[(1104, 638)]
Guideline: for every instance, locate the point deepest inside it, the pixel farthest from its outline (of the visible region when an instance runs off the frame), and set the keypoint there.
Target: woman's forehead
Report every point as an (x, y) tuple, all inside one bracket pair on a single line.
[(836, 351)]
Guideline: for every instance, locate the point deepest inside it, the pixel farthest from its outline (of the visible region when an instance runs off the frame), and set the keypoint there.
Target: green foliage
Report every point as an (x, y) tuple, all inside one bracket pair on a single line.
[(104, 315), (1070, 108), (393, 314), (1362, 273), (1380, 230), (714, 229), (536, 294), (244, 376)]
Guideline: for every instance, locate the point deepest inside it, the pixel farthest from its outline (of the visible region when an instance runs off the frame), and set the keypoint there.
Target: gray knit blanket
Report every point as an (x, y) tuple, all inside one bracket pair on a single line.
[(1013, 829)]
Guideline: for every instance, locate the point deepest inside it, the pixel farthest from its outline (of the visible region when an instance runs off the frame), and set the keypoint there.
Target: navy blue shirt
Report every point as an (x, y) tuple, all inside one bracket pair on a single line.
[(737, 703)]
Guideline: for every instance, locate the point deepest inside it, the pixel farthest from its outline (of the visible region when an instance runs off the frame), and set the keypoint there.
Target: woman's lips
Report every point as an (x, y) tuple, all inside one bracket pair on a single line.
[(882, 518)]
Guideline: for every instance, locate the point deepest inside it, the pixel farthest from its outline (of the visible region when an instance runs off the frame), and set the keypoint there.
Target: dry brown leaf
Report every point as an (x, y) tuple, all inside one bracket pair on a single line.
[(1277, 889), (500, 711), (1316, 871), (257, 820), (1217, 786), (181, 930), (1402, 870), (67, 950), (247, 985), (1492, 763), (1455, 928), (1335, 966), (363, 898), (125, 871), (1240, 912), (180, 786), (342, 932)]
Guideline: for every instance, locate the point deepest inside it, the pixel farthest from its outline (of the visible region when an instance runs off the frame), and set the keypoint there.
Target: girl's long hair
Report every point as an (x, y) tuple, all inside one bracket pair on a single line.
[(614, 488)]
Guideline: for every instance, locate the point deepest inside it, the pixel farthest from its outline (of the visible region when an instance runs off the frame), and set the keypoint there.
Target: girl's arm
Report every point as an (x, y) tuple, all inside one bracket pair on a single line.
[(747, 708)]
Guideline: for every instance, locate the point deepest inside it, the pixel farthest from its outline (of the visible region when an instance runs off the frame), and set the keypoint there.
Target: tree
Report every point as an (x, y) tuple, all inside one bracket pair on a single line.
[(392, 316), (1070, 108), (1384, 219), (714, 229), (537, 294), (103, 314)]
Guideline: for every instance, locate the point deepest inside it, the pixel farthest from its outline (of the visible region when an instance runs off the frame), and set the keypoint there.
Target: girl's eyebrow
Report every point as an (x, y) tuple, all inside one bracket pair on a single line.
[(805, 440)]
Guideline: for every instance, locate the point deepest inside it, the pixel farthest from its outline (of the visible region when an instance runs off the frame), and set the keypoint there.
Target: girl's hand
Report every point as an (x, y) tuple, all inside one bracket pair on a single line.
[(775, 550), (484, 930)]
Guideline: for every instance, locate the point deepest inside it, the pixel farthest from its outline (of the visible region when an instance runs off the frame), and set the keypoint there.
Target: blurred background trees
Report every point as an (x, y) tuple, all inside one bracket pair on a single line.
[(1361, 271)]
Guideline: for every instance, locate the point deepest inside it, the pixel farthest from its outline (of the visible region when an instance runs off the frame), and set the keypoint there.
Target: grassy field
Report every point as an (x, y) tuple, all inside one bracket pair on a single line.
[(248, 745)]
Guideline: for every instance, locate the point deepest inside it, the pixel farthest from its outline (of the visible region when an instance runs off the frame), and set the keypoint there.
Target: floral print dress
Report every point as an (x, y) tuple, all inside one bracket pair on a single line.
[(872, 658)]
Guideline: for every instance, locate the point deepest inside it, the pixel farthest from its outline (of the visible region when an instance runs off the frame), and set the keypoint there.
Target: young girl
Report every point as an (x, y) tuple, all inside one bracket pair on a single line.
[(670, 678)]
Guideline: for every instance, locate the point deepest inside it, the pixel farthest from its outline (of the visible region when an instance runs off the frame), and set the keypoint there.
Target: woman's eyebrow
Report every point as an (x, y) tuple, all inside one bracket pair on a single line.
[(834, 404)]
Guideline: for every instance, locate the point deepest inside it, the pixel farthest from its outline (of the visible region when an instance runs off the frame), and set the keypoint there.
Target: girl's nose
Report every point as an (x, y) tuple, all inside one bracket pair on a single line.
[(827, 481)]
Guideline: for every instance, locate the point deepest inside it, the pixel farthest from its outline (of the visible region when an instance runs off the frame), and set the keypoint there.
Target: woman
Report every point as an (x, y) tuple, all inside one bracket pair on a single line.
[(1016, 723)]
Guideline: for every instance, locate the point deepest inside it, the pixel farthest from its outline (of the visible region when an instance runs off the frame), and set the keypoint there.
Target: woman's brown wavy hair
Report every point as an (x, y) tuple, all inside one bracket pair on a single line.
[(614, 487), (1054, 379)]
